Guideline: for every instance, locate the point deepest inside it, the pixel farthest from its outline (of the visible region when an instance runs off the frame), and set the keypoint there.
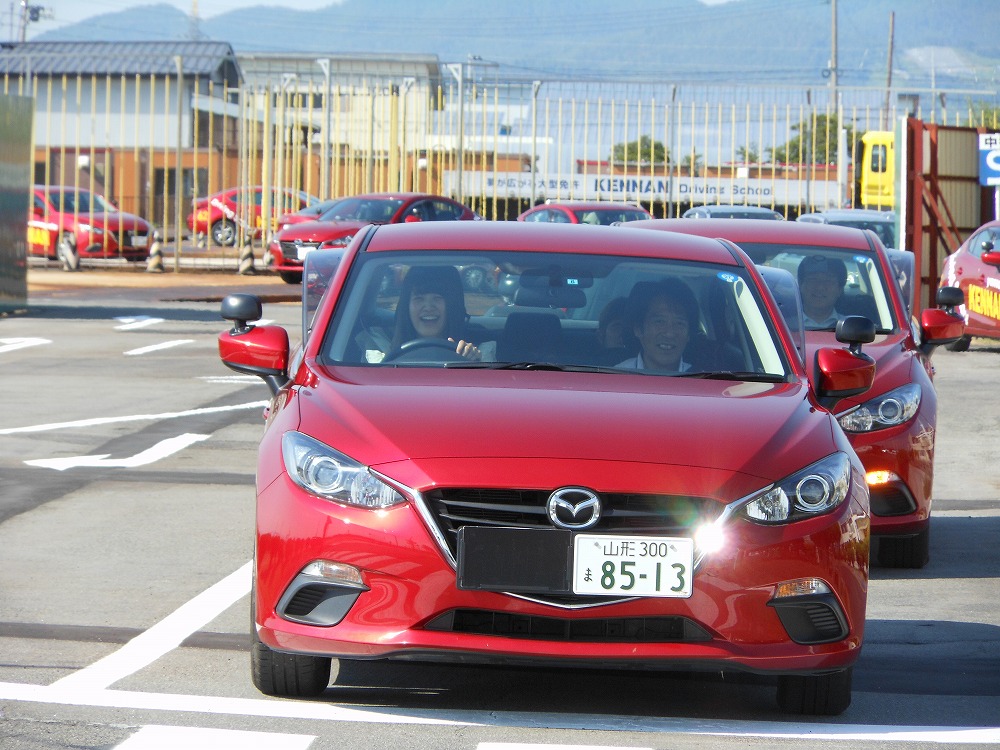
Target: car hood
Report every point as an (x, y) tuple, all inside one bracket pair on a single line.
[(308, 231), (115, 221), (447, 419)]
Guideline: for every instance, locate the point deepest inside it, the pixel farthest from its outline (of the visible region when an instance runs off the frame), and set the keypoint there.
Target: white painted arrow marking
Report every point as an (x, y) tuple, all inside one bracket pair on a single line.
[(162, 449), (139, 321), (9, 345)]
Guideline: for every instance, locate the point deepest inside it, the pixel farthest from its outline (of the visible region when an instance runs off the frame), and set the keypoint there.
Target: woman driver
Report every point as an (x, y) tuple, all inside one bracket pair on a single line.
[(432, 306)]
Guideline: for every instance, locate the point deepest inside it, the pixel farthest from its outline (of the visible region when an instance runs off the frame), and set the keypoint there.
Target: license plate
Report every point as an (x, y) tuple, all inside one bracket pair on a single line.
[(632, 565), (140, 240)]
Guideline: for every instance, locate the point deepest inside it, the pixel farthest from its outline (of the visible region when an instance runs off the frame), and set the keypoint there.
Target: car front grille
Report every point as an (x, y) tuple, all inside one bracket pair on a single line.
[(659, 515), (663, 515), (583, 630), (292, 250)]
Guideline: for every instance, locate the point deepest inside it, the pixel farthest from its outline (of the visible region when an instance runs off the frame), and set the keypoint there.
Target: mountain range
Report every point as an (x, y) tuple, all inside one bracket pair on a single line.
[(763, 42)]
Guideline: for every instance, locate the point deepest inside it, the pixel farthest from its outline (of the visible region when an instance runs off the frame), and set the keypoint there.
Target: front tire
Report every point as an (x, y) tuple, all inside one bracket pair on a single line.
[(288, 675), (224, 233), (66, 252), (291, 277), (905, 551), (818, 695)]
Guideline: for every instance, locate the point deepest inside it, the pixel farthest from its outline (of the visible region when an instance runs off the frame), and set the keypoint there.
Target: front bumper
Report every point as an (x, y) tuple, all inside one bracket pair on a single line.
[(411, 608)]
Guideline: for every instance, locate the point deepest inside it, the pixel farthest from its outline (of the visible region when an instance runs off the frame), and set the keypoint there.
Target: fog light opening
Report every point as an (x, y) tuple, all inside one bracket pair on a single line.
[(334, 572), (801, 587)]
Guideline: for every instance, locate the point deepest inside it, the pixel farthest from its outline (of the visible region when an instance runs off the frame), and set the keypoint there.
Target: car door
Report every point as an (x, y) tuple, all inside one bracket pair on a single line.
[(980, 282), (43, 232)]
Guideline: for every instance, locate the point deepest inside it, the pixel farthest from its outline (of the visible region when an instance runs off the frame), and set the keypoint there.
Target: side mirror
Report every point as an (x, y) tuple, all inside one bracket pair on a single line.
[(241, 309), (942, 326), (253, 350), (950, 297), (841, 373)]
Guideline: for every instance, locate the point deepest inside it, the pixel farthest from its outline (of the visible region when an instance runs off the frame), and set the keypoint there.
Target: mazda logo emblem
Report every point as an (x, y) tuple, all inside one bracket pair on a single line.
[(573, 508)]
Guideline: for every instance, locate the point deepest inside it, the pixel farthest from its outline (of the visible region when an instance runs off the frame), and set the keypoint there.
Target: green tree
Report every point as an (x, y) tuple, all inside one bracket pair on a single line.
[(749, 154), (644, 151), (816, 142), (693, 163)]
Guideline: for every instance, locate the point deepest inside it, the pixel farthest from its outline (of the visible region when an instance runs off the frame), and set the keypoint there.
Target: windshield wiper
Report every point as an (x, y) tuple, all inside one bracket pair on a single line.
[(527, 366), (765, 377)]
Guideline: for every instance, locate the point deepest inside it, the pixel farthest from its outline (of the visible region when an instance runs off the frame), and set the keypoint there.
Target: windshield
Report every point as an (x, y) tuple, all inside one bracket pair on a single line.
[(554, 311), (79, 202), (886, 230), (609, 216), (373, 210), (834, 283)]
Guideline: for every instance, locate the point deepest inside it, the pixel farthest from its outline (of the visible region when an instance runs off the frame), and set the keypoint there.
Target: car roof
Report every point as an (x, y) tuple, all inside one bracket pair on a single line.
[(588, 205), (853, 214), (763, 230), (520, 236), (732, 207)]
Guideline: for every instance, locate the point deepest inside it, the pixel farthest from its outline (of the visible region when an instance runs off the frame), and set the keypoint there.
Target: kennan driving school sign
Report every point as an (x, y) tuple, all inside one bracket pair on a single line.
[(695, 190)]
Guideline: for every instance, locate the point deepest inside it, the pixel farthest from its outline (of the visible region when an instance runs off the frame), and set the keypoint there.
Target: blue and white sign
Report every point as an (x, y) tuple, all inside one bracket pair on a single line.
[(989, 159)]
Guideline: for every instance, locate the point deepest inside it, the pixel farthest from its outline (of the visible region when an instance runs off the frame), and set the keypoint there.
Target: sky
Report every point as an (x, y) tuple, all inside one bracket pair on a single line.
[(67, 12)]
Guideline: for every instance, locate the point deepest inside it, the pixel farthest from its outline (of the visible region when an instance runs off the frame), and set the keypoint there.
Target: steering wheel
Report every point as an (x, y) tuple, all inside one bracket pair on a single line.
[(423, 343)]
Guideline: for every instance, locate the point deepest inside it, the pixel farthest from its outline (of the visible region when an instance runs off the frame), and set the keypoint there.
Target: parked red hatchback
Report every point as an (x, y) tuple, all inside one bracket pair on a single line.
[(439, 482), (975, 269), (218, 216), (843, 271), (341, 221), (70, 223), (584, 212)]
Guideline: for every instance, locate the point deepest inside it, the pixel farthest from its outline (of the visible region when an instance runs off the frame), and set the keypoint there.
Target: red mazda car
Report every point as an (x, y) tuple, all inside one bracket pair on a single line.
[(844, 271), (436, 481), (219, 215), (339, 223), (584, 212), (975, 269), (71, 223)]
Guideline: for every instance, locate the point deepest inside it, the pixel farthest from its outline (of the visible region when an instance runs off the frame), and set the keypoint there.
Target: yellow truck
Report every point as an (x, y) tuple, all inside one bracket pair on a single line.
[(878, 170)]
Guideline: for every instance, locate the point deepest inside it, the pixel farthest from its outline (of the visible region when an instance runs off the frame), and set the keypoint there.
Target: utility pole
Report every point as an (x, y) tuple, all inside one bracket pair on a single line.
[(833, 51), (888, 82), (31, 14)]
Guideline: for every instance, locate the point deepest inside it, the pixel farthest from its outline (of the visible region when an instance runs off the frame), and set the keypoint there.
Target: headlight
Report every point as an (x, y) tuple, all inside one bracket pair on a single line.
[(319, 469), (91, 228), (888, 410), (336, 242), (814, 490)]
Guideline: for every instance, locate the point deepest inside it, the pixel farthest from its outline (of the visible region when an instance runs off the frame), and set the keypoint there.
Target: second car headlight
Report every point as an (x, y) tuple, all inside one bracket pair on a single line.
[(888, 410), (319, 469), (814, 490)]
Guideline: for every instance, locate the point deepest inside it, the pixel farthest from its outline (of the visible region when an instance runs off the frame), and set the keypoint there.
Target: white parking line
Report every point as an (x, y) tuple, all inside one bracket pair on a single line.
[(158, 347), (131, 418), (163, 637), (9, 345), (320, 711), (139, 321), (155, 737)]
